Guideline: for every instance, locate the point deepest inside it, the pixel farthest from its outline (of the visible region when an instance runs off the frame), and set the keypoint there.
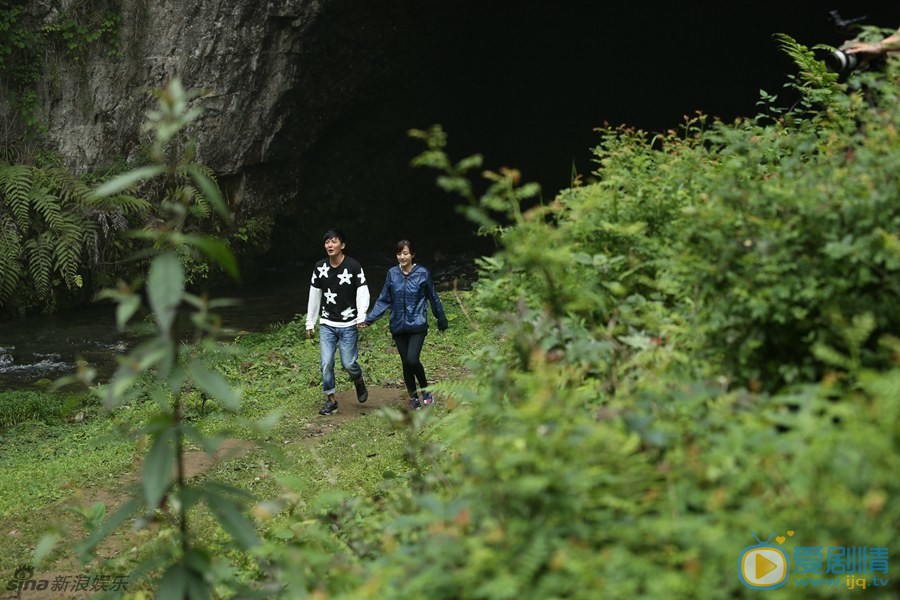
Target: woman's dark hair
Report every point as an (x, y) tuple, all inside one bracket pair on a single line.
[(407, 244)]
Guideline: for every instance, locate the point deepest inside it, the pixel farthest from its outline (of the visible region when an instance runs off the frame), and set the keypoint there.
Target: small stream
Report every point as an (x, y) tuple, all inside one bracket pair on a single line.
[(45, 347)]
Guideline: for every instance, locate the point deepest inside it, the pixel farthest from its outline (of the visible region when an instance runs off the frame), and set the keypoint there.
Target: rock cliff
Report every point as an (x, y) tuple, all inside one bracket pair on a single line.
[(278, 74)]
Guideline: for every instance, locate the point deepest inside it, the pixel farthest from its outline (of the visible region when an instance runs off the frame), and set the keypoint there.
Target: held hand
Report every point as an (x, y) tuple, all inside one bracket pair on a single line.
[(362, 325)]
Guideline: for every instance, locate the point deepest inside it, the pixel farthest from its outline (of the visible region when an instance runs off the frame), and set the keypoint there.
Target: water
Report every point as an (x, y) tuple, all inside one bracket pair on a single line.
[(46, 347)]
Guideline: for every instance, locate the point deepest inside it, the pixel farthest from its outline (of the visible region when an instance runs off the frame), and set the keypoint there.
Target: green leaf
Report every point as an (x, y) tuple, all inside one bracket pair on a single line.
[(211, 192), (165, 284), (470, 162), (158, 468), (198, 589), (217, 251), (174, 583), (158, 351), (215, 385), (126, 180), (45, 547), (86, 546), (114, 391), (189, 496), (128, 305), (194, 435), (232, 520)]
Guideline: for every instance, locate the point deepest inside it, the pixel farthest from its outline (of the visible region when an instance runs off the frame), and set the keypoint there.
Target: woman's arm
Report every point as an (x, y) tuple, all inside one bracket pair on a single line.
[(436, 307), (383, 303)]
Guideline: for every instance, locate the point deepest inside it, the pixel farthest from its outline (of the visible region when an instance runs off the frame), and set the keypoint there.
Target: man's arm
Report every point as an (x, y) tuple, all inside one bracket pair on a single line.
[(362, 303), (312, 309)]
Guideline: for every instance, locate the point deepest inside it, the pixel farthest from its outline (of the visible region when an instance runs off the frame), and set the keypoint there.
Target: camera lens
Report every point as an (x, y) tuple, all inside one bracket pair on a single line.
[(839, 61)]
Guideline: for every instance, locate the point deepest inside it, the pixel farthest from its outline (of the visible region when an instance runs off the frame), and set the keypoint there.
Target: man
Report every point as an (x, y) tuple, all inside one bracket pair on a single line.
[(339, 297)]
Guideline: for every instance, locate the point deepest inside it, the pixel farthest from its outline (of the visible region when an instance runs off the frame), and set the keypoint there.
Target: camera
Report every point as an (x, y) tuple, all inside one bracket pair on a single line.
[(841, 62)]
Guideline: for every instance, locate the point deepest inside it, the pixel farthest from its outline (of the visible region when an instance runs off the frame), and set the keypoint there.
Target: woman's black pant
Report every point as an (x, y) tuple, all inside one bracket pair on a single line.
[(409, 345)]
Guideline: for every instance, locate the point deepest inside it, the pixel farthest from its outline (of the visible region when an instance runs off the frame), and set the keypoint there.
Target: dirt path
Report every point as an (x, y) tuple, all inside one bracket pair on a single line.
[(349, 408), (67, 579)]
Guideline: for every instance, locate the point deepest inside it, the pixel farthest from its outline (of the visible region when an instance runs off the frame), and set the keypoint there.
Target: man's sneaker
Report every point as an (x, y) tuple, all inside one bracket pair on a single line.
[(329, 408), (413, 404), (427, 399), (362, 393)]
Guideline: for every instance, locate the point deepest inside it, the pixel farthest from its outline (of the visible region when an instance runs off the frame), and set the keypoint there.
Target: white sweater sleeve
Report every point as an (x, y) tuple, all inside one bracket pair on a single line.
[(362, 303), (312, 307)]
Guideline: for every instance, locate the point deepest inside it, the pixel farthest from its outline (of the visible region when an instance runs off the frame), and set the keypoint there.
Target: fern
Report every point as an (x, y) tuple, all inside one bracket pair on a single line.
[(45, 227), (67, 188), (39, 252), (200, 208), (15, 186), (70, 238), (10, 263), (46, 204), (121, 204), (534, 557), (814, 74), (54, 226)]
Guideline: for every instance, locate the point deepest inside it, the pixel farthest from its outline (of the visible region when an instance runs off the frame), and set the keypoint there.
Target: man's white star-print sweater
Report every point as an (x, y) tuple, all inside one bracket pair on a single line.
[(338, 296)]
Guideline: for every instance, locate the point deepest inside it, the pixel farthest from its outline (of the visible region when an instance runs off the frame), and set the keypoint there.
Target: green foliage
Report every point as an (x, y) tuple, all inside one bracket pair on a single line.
[(80, 247), (81, 28), (45, 231), (20, 56), (698, 345), (744, 244), (182, 568), (60, 238), (55, 234), (25, 43)]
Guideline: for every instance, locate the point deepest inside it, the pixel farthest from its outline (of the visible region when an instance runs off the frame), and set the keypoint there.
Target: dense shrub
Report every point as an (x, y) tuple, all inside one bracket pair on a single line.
[(699, 345)]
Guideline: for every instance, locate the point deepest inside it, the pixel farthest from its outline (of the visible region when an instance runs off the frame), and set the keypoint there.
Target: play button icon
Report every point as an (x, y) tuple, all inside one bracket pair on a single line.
[(763, 567)]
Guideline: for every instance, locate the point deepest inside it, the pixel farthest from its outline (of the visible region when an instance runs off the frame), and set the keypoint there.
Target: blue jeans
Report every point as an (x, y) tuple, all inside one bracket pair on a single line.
[(343, 339)]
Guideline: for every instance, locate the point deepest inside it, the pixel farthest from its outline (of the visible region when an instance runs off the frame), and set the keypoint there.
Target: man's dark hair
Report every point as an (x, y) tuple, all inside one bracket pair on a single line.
[(334, 233)]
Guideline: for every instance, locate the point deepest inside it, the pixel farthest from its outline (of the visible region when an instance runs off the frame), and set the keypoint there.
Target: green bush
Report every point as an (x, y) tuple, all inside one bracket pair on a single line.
[(697, 347)]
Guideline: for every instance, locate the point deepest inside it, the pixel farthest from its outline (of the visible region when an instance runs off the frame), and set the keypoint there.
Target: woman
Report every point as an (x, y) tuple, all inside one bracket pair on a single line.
[(406, 289)]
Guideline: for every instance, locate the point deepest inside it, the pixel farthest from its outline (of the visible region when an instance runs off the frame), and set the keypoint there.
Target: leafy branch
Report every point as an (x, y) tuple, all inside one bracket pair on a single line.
[(176, 365)]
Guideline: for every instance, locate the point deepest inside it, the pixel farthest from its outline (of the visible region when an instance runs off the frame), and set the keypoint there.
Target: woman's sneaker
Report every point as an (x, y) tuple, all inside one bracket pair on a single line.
[(413, 404), (427, 399)]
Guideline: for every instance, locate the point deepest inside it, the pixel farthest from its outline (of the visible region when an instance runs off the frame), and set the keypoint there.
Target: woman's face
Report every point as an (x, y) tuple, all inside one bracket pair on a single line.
[(404, 257)]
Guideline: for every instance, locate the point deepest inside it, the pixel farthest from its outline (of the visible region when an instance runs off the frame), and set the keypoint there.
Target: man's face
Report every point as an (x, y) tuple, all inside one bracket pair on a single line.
[(333, 246)]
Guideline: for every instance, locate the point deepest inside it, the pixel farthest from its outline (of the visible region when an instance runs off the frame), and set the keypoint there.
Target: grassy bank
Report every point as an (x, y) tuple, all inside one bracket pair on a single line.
[(58, 463)]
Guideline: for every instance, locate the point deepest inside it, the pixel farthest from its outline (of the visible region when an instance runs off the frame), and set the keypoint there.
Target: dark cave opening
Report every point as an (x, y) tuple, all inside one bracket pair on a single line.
[(526, 84)]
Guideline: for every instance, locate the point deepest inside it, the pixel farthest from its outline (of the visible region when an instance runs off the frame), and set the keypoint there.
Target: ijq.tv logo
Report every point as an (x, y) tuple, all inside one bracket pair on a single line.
[(764, 566)]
